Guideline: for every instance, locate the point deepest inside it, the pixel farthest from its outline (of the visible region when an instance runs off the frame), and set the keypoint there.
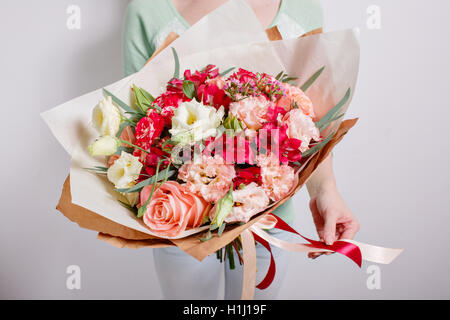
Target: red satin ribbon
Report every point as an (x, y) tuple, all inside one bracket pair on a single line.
[(268, 279), (347, 249)]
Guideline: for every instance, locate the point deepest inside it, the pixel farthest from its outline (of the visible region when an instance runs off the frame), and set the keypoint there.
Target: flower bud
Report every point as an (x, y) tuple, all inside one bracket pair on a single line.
[(104, 146)]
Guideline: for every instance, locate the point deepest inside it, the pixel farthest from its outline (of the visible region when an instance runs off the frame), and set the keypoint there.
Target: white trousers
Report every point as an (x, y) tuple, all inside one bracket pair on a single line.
[(183, 277)]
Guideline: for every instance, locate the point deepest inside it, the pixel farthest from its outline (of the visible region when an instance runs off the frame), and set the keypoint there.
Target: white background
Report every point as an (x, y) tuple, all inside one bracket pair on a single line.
[(392, 168)]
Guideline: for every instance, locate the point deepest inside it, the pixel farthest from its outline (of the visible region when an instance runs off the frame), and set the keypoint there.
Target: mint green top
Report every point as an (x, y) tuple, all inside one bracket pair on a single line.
[(149, 22)]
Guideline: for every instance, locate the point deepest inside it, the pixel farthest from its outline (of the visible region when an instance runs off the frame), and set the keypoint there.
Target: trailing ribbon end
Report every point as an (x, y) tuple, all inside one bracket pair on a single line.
[(268, 279), (354, 250), (349, 250)]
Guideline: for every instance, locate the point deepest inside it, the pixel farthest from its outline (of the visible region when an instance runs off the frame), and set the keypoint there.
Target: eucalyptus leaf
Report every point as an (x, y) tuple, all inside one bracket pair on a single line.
[(207, 237), (143, 209), (278, 77), (126, 205), (119, 102), (289, 79), (125, 149), (224, 73), (98, 169), (318, 146), (331, 120), (138, 187), (176, 73), (311, 80), (122, 127), (221, 229), (328, 118)]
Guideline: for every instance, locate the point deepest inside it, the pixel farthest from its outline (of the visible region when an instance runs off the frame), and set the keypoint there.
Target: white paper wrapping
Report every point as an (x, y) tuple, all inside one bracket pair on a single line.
[(242, 43)]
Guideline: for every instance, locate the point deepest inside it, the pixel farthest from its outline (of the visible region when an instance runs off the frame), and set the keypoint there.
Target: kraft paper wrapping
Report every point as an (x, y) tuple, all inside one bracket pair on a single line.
[(90, 200), (123, 237)]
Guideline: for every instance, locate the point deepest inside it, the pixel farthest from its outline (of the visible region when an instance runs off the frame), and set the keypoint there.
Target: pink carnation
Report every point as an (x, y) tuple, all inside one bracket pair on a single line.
[(251, 111), (277, 180), (209, 177), (293, 95), (248, 201), (300, 126)]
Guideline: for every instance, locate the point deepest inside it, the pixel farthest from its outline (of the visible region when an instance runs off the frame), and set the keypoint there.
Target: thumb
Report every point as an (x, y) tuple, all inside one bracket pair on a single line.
[(329, 232)]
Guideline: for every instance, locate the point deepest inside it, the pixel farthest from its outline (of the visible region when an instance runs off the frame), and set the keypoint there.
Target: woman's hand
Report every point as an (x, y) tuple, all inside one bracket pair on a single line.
[(332, 217)]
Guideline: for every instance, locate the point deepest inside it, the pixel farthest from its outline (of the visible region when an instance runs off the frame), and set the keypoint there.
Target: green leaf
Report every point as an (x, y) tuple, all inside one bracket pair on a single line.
[(132, 145), (311, 80), (126, 205), (138, 187), (97, 168), (189, 89), (126, 149), (221, 229), (318, 146), (122, 127), (223, 208), (207, 237), (143, 209), (147, 95), (119, 102), (224, 73), (176, 73), (141, 100), (278, 77), (289, 79), (331, 115), (233, 123)]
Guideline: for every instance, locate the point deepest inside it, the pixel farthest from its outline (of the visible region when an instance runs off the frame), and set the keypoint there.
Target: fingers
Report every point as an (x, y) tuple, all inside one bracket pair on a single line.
[(329, 230), (350, 230), (317, 218)]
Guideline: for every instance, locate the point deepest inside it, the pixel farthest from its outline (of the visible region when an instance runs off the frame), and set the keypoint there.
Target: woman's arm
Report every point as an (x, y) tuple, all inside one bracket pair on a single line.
[(332, 217)]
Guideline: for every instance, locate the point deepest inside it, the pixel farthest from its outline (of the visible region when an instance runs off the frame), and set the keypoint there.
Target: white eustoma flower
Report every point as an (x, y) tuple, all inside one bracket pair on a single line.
[(125, 170), (194, 121), (131, 197), (106, 117), (104, 146)]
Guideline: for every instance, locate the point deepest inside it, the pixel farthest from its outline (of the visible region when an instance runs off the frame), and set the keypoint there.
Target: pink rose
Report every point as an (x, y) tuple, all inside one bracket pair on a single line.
[(173, 209)]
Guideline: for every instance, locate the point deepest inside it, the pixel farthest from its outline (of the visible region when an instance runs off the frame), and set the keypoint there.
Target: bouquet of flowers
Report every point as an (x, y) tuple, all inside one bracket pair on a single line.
[(203, 163), (211, 149)]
